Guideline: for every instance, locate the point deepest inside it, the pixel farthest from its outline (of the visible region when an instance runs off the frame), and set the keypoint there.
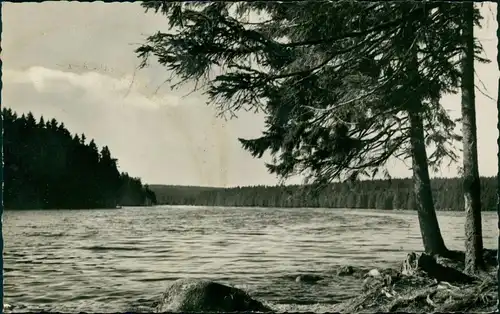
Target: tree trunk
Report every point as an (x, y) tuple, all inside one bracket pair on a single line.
[(498, 158), (1, 192), (471, 182), (429, 226)]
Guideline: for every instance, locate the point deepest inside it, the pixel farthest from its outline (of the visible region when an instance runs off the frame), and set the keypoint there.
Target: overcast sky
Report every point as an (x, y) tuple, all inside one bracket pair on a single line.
[(75, 62)]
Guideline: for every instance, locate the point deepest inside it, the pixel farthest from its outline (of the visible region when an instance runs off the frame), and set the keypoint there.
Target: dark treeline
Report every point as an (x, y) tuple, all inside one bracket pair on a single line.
[(374, 194), (45, 167)]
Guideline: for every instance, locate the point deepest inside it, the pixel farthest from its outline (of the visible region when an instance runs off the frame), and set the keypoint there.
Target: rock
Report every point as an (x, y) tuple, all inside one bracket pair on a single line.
[(370, 283), (192, 295), (345, 271), (9, 308), (308, 278), (410, 264), (374, 273)]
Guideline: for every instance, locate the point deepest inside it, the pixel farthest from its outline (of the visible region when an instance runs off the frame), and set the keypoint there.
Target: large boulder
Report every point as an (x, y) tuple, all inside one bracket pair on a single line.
[(192, 295)]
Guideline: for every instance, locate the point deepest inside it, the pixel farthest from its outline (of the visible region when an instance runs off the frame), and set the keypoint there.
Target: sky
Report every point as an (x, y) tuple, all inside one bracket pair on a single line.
[(75, 62)]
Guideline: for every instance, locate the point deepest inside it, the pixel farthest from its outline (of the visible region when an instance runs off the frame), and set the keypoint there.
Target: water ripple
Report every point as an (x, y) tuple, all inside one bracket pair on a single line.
[(115, 260)]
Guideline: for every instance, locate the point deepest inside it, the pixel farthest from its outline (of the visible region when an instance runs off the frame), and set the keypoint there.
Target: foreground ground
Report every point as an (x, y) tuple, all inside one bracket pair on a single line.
[(426, 284)]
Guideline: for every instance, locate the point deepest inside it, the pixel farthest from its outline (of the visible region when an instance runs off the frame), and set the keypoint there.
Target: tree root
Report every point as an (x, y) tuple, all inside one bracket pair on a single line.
[(400, 302), (423, 285)]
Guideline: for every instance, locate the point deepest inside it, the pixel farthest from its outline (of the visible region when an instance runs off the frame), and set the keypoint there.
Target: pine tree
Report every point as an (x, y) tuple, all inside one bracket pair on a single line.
[(498, 157), (354, 84), (471, 181)]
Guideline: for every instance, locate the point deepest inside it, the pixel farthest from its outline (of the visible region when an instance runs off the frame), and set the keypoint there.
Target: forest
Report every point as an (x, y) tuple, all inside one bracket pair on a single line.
[(46, 167), (392, 194)]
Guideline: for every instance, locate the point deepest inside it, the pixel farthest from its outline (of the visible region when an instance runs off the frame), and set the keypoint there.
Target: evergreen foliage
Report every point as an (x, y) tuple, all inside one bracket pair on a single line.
[(333, 78), (46, 167), (395, 194)]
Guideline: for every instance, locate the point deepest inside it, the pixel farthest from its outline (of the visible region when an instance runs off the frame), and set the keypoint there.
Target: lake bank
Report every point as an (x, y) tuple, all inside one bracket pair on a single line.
[(381, 290), (77, 208), (239, 207), (311, 208), (420, 286)]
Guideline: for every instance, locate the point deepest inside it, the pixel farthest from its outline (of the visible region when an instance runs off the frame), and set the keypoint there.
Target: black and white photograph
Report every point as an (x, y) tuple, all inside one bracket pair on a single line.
[(250, 156)]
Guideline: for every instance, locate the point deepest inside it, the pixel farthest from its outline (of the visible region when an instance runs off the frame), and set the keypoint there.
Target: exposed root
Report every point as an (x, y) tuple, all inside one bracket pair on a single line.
[(419, 296), (419, 286)]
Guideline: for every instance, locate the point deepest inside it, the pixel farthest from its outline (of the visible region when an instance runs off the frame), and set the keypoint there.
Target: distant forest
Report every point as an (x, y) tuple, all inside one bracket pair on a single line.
[(371, 194), (47, 167)]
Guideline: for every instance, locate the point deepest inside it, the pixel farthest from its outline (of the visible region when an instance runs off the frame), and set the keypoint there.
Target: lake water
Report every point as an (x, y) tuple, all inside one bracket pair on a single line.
[(113, 260)]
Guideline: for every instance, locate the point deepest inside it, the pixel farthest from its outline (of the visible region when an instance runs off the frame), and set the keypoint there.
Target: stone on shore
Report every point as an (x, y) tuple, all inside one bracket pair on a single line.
[(345, 270), (308, 278), (192, 295)]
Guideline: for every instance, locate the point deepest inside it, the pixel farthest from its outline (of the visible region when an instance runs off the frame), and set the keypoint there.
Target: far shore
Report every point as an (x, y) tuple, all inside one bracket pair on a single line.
[(238, 206), (83, 208), (340, 208)]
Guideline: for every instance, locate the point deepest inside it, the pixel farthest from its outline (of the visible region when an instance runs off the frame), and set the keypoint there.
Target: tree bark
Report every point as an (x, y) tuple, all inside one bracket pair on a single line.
[(2, 186), (498, 157), (429, 226), (471, 182)]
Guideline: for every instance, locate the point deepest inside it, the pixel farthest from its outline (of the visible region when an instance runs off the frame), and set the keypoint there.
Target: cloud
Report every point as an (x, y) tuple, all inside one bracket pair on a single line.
[(127, 90), (163, 138), (80, 74)]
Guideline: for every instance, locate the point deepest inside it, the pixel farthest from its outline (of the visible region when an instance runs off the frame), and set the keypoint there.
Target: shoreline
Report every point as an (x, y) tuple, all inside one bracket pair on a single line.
[(417, 286), (423, 287), (83, 208), (297, 207), (243, 207), (409, 288)]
